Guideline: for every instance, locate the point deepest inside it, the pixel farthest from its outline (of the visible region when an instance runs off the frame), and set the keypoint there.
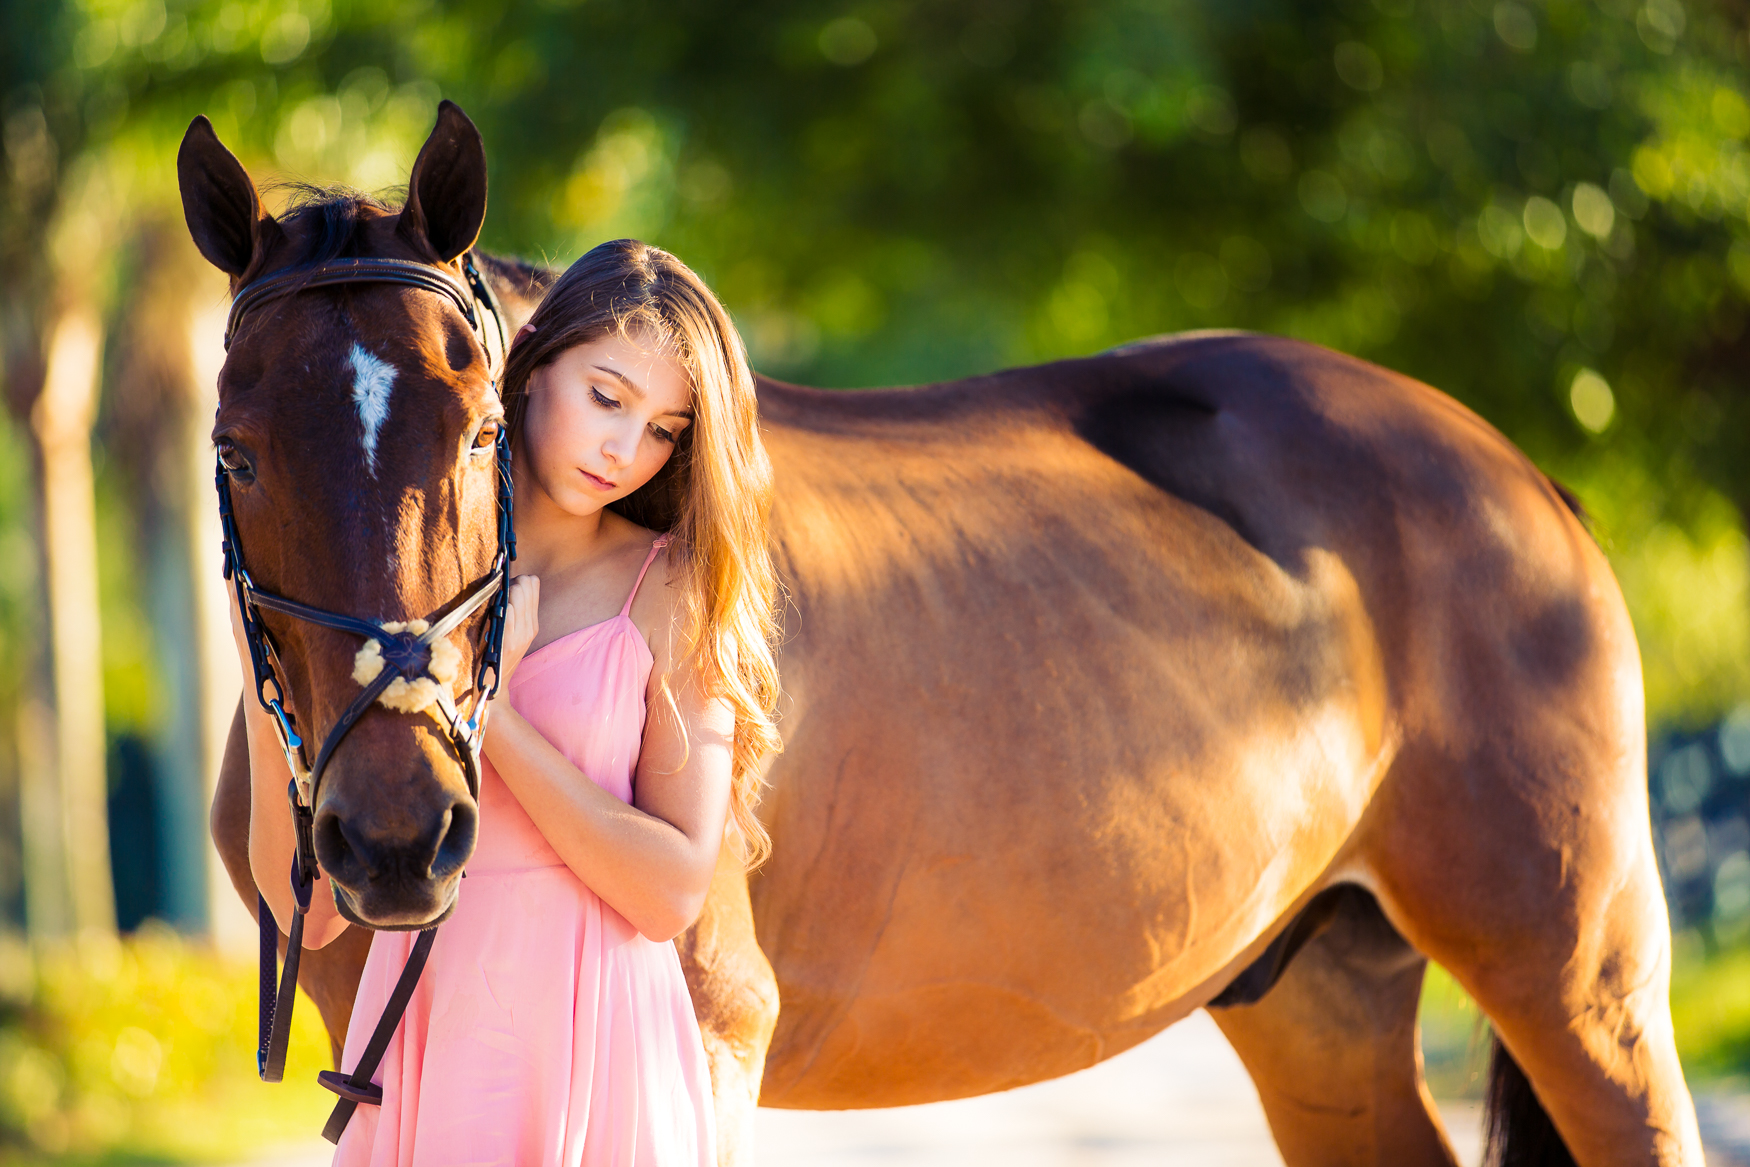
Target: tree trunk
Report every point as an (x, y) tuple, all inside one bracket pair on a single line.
[(157, 428), (61, 420)]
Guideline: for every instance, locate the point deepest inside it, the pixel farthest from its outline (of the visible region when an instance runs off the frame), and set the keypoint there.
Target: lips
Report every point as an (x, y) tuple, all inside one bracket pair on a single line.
[(596, 480)]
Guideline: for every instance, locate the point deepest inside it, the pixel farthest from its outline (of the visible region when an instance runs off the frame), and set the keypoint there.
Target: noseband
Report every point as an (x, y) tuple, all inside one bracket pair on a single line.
[(406, 654)]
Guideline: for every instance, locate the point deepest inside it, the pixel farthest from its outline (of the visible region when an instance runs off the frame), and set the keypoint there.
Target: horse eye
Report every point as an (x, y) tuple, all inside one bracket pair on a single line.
[(235, 464), (487, 436)]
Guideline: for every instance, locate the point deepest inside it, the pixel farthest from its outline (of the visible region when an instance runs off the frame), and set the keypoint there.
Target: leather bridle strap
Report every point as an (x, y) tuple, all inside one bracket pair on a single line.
[(270, 1054), (372, 691), (357, 1087), (350, 271), (274, 1018)]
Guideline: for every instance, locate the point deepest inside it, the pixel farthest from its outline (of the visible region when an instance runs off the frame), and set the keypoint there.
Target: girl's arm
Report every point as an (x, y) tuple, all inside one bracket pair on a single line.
[(652, 861), (271, 837)]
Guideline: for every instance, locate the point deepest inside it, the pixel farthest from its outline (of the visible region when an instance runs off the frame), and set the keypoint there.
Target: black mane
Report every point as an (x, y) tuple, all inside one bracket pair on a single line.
[(525, 279), (327, 222)]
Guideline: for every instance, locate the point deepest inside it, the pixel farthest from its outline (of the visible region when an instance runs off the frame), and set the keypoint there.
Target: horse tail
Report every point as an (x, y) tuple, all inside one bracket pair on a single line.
[(1520, 1133)]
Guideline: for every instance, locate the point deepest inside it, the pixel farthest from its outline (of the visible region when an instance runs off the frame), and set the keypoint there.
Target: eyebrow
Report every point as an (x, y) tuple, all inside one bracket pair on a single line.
[(638, 390)]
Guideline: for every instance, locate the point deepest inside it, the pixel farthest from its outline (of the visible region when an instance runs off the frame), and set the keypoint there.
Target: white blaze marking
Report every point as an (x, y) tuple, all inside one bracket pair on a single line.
[(372, 380)]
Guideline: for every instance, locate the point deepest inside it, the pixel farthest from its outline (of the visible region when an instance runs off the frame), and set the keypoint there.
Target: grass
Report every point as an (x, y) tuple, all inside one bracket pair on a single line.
[(142, 1051)]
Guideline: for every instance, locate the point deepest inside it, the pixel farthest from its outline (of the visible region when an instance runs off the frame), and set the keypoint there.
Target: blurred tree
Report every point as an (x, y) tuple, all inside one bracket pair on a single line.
[(52, 338), (156, 426), (1539, 206)]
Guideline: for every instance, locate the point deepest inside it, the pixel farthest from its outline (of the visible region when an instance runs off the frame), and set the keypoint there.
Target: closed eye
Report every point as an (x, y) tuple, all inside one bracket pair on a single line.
[(665, 435), (603, 399)]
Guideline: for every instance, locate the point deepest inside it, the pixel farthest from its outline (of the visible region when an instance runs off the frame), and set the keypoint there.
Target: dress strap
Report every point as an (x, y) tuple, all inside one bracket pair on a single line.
[(655, 548)]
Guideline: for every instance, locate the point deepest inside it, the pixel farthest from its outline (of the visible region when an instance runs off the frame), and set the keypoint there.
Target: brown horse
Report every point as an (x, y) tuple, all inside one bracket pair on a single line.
[(1219, 670)]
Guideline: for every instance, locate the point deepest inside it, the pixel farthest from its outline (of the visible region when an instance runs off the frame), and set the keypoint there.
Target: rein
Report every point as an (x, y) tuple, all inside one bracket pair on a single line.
[(407, 654)]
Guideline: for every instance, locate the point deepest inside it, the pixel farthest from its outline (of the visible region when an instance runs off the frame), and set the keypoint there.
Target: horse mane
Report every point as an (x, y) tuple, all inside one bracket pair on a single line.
[(1573, 503), (326, 222), (529, 280)]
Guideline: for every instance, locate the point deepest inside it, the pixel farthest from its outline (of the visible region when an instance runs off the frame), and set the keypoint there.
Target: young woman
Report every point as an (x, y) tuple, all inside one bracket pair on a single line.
[(552, 1025)]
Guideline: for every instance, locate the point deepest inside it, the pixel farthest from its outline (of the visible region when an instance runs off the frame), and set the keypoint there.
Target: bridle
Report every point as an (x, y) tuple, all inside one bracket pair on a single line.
[(407, 654)]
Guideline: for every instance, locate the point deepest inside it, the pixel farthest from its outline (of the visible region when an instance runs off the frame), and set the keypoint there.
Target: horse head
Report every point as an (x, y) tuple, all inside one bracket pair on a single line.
[(357, 432)]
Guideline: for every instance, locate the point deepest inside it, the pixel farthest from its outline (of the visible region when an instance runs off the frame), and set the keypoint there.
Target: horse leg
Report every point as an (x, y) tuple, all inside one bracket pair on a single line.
[(1555, 925), (1588, 1018), (328, 975), (1334, 1051), (735, 996)]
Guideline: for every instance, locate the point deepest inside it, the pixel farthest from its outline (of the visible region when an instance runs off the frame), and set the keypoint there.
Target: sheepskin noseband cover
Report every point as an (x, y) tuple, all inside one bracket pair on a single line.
[(403, 695)]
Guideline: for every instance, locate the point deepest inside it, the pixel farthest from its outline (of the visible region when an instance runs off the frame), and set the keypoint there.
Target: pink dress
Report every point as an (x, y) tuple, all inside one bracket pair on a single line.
[(546, 1031)]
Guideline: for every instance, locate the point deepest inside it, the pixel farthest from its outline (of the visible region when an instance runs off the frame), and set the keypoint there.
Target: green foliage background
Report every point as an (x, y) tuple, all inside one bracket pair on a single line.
[(1489, 196), (141, 1051)]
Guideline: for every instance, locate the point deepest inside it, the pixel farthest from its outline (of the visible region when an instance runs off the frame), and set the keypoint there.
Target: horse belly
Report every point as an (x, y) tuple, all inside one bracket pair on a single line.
[(978, 968), (987, 900)]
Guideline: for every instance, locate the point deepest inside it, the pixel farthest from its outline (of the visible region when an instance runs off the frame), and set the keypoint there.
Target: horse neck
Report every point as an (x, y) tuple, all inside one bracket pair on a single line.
[(519, 286)]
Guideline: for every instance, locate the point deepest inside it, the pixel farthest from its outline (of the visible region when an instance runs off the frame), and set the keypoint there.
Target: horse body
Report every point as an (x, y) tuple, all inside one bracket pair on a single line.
[(1216, 671), (1118, 740), (1100, 672)]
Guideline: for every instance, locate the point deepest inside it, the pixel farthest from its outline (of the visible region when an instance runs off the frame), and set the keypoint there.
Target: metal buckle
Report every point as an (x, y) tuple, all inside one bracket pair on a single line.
[(289, 738)]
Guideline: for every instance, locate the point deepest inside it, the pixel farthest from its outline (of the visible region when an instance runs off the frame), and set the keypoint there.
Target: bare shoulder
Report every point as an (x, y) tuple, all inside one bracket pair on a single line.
[(659, 608)]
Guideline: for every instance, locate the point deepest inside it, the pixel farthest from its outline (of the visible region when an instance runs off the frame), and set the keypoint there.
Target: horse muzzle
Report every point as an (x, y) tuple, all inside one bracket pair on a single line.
[(394, 844)]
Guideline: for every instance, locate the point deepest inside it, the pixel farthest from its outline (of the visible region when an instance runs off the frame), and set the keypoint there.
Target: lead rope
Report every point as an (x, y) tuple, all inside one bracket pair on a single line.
[(277, 1000)]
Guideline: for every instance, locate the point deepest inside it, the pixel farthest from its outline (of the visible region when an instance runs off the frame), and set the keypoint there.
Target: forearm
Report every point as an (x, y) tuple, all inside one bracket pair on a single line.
[(272, 840), (647, 869)]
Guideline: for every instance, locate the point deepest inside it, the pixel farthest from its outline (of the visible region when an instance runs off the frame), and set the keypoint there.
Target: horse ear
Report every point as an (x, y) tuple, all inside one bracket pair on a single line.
[(220, 202), (446, 196)]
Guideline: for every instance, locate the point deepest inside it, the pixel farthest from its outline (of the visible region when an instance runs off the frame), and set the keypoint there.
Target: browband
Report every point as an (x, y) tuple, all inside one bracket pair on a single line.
[(349, 271)]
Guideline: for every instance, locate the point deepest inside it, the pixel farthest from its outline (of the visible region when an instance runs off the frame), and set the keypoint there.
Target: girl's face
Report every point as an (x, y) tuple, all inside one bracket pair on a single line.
[(602, 420)]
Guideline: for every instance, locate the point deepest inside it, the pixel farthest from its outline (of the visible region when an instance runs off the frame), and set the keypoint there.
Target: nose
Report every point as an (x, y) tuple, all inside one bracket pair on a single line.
[(394, 860), (621, 447)]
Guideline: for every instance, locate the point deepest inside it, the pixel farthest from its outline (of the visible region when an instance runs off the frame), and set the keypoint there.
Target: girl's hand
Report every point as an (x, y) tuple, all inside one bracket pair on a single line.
[(521, 622)]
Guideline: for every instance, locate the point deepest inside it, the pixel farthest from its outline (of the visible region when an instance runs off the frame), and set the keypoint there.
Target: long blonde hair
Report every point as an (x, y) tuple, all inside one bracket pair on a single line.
[(714, 493)]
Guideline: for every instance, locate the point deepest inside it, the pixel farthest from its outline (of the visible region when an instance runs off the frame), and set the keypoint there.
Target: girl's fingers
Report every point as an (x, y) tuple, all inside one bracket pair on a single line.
[(521, 620)]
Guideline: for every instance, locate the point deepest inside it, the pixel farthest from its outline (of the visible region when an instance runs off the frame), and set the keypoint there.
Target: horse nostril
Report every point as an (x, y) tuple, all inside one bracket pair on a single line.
[(456, 843), (335, 851)]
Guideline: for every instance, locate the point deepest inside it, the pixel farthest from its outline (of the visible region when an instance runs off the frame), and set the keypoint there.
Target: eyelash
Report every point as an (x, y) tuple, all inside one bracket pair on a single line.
[(604, 400)]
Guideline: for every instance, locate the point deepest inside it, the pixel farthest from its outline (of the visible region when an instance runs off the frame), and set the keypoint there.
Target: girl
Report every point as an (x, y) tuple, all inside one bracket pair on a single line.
[(552, 1024)]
